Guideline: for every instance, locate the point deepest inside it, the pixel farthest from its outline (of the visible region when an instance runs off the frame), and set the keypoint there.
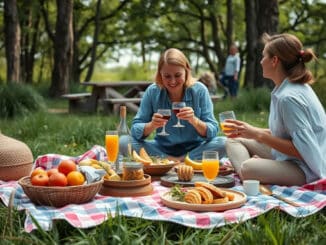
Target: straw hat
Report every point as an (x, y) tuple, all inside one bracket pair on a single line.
[(16, 159)]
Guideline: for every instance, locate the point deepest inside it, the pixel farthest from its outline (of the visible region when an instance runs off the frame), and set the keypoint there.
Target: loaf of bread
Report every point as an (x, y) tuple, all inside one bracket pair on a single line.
[(185, 173)]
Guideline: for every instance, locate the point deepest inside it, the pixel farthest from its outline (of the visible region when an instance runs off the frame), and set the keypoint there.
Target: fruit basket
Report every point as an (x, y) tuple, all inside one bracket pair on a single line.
[(59, 196)]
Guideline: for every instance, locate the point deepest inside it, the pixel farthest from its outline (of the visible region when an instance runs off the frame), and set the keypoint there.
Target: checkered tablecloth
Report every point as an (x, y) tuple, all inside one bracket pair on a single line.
[(312, 198)]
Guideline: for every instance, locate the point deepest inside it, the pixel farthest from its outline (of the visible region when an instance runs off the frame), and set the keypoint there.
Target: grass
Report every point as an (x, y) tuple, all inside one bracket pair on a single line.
[(66, 134)]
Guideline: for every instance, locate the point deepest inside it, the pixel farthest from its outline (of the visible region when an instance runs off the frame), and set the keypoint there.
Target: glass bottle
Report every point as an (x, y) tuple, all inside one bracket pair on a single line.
[(124, 138)]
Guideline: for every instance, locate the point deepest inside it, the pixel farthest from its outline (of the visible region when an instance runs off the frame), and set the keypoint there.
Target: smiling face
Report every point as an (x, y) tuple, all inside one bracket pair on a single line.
[(173, 78)]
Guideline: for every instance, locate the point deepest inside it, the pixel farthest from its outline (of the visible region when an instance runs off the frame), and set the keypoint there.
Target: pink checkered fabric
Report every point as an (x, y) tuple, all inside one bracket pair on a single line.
[(311, 197)]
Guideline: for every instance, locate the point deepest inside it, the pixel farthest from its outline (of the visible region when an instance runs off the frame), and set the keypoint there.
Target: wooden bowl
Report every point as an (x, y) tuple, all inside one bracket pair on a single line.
[(58, 196), (127, 188), (159, 169)]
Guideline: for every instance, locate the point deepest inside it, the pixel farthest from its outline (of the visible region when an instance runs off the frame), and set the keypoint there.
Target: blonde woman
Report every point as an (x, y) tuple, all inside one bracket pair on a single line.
[(174, 83), (292, 150)]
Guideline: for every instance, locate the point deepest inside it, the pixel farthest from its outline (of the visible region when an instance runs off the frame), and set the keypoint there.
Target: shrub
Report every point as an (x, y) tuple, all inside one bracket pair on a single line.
[(19, 100), (320, 88), (257, 99)]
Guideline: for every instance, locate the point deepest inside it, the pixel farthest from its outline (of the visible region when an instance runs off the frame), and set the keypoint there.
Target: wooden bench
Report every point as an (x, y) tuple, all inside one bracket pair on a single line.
[(113, 104), (215, 98), (77, 101)]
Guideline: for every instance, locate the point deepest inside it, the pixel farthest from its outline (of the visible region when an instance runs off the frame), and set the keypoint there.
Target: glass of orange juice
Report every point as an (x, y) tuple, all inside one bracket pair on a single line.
[(112, 145), (225, 115), (211, 165)]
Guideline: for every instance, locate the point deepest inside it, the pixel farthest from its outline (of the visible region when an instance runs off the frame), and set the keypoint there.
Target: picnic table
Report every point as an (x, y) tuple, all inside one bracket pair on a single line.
[(107, 95)]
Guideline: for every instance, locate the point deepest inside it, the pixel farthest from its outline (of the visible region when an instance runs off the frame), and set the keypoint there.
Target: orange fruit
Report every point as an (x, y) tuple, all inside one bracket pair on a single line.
[(40, 179), (66, 166), (37, 171), (52, 171), (58, 179), (75, 178)]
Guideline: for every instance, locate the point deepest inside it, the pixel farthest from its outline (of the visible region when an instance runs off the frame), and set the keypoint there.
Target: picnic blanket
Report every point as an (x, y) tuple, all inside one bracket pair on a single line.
[(312, 198)]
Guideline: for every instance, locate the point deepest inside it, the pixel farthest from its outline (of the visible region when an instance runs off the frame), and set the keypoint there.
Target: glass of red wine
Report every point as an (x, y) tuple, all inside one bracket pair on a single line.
[(176, 106), (166, 113)]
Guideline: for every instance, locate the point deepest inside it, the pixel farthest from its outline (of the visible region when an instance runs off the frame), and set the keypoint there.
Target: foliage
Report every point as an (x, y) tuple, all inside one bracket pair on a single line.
[(320, 89), (18, 100)]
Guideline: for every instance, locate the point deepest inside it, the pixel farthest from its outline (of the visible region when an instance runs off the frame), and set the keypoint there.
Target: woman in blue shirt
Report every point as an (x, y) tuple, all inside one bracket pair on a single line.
[(292, 150), (174, 83)]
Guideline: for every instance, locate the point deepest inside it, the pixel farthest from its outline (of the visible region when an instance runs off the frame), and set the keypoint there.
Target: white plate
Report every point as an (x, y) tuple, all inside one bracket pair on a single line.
[(239, 199)]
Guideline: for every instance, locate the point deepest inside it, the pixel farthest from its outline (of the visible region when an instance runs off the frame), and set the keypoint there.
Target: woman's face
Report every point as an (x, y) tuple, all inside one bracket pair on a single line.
[(173, 78), (267, 65)]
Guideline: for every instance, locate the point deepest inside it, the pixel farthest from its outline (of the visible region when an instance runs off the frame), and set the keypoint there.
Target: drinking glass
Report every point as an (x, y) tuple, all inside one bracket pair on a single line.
[(112, 145), (166, 113), (226, 115), (176, 106), (210, 164)]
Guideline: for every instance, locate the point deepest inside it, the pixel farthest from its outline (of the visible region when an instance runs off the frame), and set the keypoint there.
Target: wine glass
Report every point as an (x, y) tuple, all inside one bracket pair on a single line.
[(210, 164), (112, 145), (226, 115), (166, 113), (176, 106)]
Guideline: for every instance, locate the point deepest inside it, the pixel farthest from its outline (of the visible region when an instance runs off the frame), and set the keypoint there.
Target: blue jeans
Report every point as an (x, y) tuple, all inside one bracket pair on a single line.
[(195, 150), (231, 84)]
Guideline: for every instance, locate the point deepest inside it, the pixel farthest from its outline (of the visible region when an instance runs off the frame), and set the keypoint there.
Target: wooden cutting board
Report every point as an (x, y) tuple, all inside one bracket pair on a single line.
[(220, 181)]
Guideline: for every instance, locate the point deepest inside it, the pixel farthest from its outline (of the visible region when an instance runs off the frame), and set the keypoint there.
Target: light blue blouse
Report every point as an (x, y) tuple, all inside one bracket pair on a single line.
[(196, 96), (297, 114)]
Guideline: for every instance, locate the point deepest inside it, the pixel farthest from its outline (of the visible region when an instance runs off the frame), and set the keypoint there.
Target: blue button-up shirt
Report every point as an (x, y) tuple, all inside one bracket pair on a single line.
[(196, 96), (297, 114)]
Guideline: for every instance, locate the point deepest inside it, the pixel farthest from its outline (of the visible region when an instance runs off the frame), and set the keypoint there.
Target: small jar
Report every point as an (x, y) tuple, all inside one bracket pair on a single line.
[(132, 171)]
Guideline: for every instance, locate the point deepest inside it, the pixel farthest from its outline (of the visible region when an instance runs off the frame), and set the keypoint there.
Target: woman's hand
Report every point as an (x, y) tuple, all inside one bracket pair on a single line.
[(158, 121), (187, 114), (235, 128)]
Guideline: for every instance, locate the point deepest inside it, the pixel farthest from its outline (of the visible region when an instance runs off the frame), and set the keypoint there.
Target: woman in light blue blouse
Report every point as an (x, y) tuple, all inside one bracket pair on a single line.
[(292, 151), (174, 83)]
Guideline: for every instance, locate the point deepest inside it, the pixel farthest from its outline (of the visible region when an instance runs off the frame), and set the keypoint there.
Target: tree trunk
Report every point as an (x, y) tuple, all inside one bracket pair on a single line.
[(12, 40), (252, 38), (63, 49), (95, 41), (30, 24), (261, 16), (267, 21)]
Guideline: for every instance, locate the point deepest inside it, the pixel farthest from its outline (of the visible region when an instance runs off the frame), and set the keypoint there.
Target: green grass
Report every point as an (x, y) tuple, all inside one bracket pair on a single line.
[(66, 134)]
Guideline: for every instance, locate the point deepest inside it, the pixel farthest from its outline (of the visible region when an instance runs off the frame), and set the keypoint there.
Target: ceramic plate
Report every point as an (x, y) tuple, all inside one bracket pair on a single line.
[(239, 199)]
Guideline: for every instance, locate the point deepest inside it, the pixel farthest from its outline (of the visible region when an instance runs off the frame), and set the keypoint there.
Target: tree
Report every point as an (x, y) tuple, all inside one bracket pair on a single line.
[(261, 17), (63, 49), (12, 40)]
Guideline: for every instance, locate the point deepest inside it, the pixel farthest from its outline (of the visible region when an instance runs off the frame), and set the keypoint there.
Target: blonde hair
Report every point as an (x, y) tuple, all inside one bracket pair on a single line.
[(174, 56), (292, 56)]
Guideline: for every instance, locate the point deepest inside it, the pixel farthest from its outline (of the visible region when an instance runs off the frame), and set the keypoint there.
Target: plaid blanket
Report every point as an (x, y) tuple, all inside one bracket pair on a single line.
[(312, 198)]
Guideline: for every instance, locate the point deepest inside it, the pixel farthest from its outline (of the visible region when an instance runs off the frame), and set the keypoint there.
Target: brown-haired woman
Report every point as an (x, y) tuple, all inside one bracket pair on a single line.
[(292, 150)]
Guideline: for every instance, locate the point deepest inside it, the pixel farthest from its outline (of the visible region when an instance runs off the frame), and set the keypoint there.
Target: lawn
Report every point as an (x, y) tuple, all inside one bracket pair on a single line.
[(51, 132)]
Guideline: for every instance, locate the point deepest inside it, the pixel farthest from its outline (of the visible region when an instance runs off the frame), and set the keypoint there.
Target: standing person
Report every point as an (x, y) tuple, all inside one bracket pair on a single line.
[(292, 150), (175, 83), (231, 71)]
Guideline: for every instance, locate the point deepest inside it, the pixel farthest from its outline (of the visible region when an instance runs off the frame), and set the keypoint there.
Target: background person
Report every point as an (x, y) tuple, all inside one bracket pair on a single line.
[(292, 150), (231, 72), (175, 83), (208, 79)]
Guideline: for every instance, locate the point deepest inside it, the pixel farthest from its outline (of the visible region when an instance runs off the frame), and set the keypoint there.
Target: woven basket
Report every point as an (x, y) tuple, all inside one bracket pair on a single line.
[(16, 159), (59, 196)]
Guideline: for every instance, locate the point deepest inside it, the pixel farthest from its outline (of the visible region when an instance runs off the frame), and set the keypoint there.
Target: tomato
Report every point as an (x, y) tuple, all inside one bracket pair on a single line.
[(40, 179), (52, 171), (58, 179), (36, 171), (66, 166), (75, 178)]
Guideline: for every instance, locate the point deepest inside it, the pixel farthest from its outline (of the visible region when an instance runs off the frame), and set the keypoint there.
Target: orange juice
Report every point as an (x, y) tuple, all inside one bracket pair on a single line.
[(210, 168), (224, 127), (112, 147)]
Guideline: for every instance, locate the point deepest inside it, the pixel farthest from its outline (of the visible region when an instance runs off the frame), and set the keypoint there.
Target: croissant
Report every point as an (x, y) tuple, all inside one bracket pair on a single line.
[(185, 173)]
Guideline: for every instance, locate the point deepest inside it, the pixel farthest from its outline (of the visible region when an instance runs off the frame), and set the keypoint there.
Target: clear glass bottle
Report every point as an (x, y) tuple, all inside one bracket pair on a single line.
[(124, 138)]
